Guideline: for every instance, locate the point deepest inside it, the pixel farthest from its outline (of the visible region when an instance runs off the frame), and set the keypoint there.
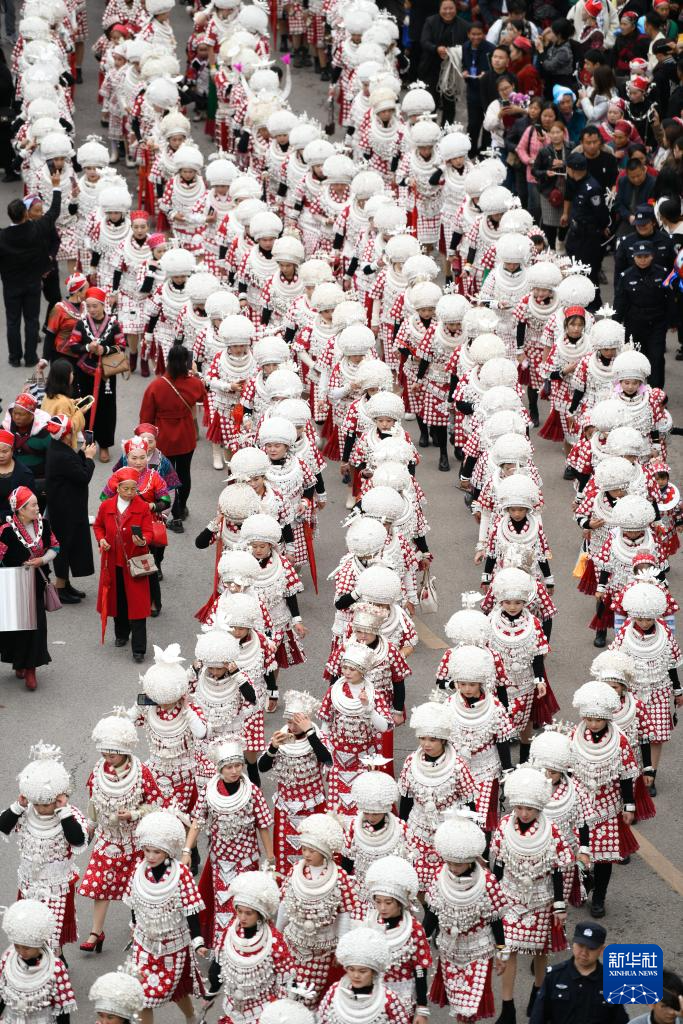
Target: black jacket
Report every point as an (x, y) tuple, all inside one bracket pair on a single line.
[(640, 299), (567, 997), (24, 248), (436, 32), (543, 163), (67, 476)]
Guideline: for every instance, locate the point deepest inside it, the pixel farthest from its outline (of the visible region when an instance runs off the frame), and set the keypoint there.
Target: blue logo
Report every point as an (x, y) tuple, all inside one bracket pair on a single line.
[(633, 973)]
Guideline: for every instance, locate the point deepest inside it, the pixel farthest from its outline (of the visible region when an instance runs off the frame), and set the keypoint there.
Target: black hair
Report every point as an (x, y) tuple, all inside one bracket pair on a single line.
[(590, 129), (634, 165), (603, 81), (670, 209), (595, 56), (475, 24), (654, 19), (517, 7), (16, 211), (58, 382), (502, 46), (673, 988), (178, 361), (563, 28), (505, 78)]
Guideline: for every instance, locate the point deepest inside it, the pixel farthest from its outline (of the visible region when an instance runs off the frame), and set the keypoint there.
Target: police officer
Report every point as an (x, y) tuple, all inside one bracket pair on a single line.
[(588, 218), (644, 227), (572, 990), (641, 305)]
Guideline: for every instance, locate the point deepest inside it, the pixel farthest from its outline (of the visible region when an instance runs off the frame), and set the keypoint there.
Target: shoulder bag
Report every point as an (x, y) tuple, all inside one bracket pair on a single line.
[(187, 405), (51, 597), (138, 565), (115, 363)]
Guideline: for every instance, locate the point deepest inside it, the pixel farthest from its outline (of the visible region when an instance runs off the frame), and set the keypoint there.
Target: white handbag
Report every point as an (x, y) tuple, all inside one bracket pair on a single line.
[(428, 599)]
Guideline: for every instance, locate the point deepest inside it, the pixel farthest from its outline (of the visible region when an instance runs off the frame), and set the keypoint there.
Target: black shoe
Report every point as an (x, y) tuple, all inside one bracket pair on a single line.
[(120, 641), (600, 638), (568, 473), (424, 437), (76, 593), (30, 361), (13, 361), (79, 76), (678, 356), (625, 860), (284, 44), (444, 464), (468, 499), (160, 575), (138, 657), (175, 526), (66, 598), (508, 1014), (298, 61), (459, 453), (597, 907), (652, 790), (155, 613), (185, 513), (306, 58), (326, 77)]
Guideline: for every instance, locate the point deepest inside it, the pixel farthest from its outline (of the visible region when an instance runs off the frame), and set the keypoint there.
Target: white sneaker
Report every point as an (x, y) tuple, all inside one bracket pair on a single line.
[(217, 457), (409, 416), (350, 502)]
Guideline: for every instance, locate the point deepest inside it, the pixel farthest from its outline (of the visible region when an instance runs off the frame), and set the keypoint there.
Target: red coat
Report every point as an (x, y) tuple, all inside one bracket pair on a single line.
[(162, 407), (105, 526)]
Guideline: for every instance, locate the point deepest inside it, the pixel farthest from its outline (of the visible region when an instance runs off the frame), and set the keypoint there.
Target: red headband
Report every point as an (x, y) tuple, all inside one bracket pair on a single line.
[(96, 293)]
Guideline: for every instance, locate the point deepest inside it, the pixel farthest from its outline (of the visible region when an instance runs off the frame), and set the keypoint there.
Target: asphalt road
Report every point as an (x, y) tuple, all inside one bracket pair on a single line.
[(85, 679)]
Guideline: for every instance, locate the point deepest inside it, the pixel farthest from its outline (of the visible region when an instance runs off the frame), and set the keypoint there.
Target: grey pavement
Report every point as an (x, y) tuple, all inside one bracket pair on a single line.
[(86, 679)]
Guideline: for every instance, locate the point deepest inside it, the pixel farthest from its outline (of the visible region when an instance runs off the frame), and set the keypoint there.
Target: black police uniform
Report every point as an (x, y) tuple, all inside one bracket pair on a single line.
[(661, 242), (568, 997), (641, 305), (588, 218)]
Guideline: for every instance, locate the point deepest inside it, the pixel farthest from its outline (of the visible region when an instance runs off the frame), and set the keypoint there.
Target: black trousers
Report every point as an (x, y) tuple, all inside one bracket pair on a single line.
[(22, 301), (651, 339), (181, 464), (475, 119), (124, 627)]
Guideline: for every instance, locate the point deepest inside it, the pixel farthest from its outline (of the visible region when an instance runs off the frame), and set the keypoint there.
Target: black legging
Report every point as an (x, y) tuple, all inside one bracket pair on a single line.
[(181, 464)]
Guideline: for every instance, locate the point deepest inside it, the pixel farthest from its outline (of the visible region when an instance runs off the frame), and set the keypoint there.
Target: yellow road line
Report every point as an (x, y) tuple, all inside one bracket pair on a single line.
[(429, 639), (659, 863)]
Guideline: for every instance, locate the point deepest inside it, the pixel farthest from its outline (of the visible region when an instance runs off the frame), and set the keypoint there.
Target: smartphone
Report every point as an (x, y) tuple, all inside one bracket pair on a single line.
[(136, 531), (89, 437), (146, 702)]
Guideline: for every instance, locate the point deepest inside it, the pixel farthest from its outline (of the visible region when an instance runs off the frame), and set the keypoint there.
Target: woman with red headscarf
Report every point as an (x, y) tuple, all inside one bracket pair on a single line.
[(97, 334), (152, 489), (124, 530), (26, 539)]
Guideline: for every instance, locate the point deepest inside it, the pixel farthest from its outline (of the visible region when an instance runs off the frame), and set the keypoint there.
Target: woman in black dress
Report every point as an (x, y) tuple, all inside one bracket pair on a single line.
[(26, 539), (97, 334), (67, 476)]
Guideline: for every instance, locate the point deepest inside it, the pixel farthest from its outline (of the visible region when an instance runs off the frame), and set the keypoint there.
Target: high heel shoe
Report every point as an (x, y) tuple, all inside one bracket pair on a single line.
[(96, 946)]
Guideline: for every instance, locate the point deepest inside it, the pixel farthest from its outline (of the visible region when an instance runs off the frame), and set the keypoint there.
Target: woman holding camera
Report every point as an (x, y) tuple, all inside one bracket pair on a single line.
[(124, 530)]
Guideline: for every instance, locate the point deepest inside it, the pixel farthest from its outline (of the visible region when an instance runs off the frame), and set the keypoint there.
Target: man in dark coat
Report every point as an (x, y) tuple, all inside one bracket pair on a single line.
[(67, 476), (24, 258)]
